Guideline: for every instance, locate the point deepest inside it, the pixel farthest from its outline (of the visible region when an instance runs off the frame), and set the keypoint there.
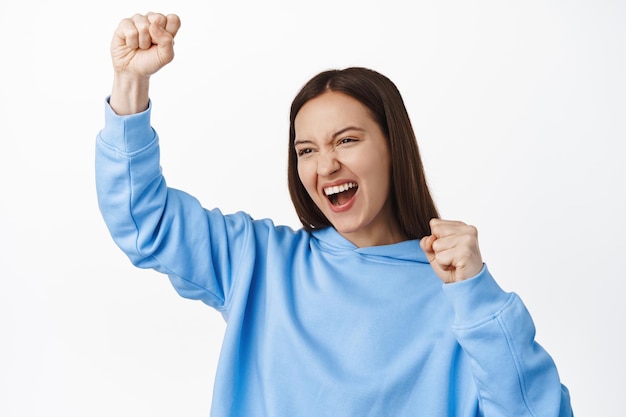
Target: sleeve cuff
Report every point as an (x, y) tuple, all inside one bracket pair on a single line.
[(476, 299), (127, 134)]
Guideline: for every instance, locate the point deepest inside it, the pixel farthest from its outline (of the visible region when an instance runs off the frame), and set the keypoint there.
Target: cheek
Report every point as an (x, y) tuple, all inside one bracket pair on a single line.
[(304, 173), (381, 176)]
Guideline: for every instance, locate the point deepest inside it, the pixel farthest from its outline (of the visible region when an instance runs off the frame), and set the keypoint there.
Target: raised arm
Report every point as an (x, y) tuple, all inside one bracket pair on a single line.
[(141, 45), (156, 226)]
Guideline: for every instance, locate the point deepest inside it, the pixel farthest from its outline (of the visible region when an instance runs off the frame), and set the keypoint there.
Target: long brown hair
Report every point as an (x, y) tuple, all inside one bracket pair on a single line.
[(411, 201)]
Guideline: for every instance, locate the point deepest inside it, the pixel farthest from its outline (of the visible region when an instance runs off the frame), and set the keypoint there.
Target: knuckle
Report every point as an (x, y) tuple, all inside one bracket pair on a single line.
[(140, 21), (137, 18), (156, 18), (132, 31), (472, 230), (126, 25), (433, 223)]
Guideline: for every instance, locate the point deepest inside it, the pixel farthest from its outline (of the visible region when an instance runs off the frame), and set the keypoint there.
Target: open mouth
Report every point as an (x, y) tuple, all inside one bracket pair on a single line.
[(341, 194)]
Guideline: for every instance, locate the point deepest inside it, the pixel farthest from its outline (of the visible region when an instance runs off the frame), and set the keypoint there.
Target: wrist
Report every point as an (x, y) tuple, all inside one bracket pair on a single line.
[(130, 93), (476, 299)]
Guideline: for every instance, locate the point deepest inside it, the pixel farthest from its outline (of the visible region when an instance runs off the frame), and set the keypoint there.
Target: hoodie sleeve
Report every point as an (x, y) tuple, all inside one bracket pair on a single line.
[(514, 375), (160, 227)]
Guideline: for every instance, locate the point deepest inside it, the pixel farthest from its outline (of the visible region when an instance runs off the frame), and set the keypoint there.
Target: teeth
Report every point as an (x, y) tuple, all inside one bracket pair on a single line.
[(339, 188)]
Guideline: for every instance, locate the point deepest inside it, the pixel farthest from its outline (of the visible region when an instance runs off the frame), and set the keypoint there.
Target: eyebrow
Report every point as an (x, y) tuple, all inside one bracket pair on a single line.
[(337, 133)]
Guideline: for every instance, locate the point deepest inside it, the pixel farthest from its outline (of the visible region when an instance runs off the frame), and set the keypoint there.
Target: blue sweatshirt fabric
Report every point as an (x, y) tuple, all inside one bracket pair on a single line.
[(315, 325)]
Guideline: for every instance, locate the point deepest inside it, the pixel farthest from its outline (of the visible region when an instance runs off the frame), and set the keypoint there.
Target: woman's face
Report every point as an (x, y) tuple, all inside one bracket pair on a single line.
[(344, 164)]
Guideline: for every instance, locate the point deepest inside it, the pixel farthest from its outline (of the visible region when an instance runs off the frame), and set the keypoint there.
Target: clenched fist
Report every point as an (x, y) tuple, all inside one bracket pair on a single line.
[(141, 45), (452, 250)]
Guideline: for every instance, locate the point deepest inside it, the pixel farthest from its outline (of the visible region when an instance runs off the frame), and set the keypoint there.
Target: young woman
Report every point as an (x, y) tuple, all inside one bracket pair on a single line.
[(375, 307)]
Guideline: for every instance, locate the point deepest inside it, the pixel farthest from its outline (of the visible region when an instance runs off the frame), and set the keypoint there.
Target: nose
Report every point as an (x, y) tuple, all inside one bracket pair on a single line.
[(327, 164)]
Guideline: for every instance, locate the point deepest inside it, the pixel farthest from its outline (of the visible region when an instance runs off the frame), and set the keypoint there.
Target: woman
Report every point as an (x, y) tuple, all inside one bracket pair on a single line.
[(347, 316)]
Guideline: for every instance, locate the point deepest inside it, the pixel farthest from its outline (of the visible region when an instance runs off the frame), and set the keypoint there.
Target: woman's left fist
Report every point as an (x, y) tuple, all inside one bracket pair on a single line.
[(452, 250)]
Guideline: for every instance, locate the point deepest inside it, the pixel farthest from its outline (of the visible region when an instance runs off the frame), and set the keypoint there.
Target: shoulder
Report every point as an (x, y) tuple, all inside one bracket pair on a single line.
[(242, 226)]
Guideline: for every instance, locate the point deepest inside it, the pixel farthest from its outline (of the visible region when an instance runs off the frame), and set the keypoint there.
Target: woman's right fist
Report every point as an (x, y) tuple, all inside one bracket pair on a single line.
[(143, 44)]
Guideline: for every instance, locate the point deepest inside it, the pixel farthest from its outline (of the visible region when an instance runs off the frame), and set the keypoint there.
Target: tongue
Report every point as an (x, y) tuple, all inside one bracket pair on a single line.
[(344, 197)]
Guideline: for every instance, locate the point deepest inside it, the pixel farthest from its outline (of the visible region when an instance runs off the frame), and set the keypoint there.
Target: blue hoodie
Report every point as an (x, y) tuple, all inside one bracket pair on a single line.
[(315, 325)]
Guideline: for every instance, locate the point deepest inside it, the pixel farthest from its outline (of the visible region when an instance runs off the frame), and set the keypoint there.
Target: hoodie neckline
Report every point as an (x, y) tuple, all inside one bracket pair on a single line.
[(408, 250)]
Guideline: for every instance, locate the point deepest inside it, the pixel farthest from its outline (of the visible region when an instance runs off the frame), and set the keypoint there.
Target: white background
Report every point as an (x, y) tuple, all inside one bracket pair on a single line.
[(519, 110)]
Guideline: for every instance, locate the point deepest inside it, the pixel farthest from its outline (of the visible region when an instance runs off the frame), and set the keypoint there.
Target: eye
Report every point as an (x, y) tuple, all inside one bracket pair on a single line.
[(346, 140), (303, 151)]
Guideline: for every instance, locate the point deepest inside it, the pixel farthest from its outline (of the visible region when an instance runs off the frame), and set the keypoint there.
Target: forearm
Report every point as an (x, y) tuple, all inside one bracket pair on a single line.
[(125, 194), (130, 93), (514, 375)]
